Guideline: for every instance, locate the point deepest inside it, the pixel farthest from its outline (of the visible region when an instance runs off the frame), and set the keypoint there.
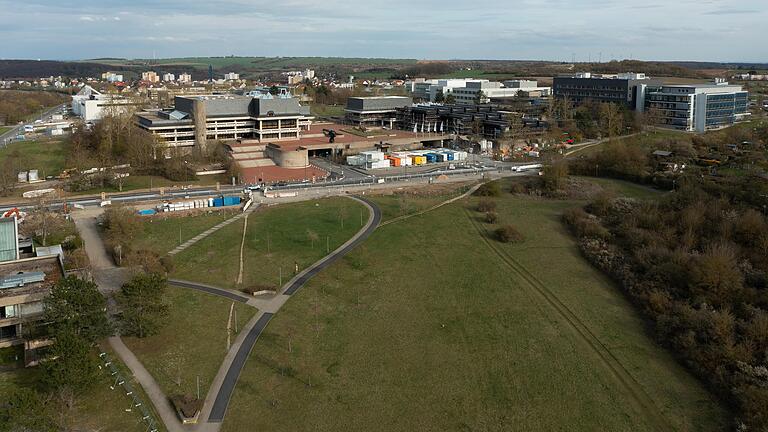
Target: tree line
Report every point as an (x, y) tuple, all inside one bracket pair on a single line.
[(696, 264)]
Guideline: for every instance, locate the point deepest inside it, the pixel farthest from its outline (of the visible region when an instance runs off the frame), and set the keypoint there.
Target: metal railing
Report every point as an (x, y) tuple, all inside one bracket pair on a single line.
[(136, 403)]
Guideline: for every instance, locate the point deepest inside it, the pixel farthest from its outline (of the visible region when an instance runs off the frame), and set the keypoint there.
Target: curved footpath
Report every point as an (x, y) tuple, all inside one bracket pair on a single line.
[(220, 392), (223, 385)]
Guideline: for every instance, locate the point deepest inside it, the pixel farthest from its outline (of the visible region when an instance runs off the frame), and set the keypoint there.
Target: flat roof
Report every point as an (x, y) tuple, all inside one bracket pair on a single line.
[(49, 265)]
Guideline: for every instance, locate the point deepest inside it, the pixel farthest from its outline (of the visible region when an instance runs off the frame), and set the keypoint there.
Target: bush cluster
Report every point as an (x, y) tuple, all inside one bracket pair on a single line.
[(696, 264)]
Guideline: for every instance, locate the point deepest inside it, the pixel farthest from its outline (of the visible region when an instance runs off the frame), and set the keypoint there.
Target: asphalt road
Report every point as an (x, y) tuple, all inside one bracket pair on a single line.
[(303, 279), (230, 379), (221, 402), (209, 290), (15, 131)]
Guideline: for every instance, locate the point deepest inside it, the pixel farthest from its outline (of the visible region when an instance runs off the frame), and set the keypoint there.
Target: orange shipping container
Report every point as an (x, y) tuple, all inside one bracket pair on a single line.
[(395, 161)]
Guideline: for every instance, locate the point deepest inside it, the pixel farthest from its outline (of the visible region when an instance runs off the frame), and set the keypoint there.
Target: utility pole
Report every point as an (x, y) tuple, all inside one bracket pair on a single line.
[(327, 244)]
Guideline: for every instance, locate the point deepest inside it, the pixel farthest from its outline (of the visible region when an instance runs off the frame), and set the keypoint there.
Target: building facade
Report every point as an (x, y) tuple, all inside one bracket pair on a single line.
[(375, 110), (91, 105), (627, 89), (697, 107), (195, 120)]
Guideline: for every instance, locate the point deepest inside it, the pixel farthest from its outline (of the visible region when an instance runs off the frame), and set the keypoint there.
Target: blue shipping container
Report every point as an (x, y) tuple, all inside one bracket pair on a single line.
[(431, 157), (148, 212), (231, 200), (218, 202), (449, 156), (441, 157)]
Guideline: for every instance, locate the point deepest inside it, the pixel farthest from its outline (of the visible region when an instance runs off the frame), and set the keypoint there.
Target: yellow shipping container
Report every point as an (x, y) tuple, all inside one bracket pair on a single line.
[(419, 160)]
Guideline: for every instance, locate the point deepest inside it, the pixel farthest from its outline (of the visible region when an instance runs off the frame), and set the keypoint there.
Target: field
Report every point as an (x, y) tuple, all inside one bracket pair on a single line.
[(322, 110), (48, 157), (99, 410), (278, 239), (162, 233), (193, 344), (138, 182), (429, 327)]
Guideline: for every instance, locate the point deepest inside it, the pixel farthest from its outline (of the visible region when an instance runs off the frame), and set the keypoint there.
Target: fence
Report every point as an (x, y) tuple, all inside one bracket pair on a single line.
[(119, 381)]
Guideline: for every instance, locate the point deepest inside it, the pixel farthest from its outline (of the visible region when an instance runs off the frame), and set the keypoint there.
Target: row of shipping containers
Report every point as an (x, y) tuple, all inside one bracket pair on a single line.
[(377, 159), (220, 201), (423, 157)]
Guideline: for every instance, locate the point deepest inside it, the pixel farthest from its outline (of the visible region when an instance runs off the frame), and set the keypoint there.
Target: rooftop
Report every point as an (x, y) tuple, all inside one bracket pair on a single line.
[(13, 284)]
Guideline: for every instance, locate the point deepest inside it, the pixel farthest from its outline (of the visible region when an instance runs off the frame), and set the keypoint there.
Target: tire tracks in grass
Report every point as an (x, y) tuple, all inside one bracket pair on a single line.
[(641, 401)]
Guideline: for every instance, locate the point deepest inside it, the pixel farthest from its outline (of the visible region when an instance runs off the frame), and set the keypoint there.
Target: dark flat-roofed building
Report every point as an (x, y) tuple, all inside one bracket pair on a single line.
[(628, 89), (375, 110)]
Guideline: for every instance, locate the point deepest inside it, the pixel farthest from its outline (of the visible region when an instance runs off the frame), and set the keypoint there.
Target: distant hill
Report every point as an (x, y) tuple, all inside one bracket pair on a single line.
[(27, 69), (272, 67)]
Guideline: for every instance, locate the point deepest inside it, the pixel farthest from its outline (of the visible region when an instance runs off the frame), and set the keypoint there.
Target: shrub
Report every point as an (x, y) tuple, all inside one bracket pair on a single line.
[(491, 217), (508, 234), (491, 189), (486, 206), (518, 188), (186, 405)]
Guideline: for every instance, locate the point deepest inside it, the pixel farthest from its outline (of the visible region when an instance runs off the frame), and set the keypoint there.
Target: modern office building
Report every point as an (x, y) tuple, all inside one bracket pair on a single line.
[(231, 76), (463, 120), (697, 107), (195, 120), (627, 89), (465, 90), (92, 105), (470, 94), (185, 78), (169, 77), (375, 110)]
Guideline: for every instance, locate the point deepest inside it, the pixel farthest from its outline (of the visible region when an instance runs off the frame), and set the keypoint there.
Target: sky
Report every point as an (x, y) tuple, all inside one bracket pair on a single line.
[(700, 30)]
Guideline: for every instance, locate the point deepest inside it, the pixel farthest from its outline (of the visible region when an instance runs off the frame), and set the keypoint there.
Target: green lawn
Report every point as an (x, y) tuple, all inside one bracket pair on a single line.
[(193, 344), (99, 410), (322, 110), (161, 232), (4, 129), (278, 238), (425, 328), (407, 202), (625, 188), (137, 182), (48, 157)]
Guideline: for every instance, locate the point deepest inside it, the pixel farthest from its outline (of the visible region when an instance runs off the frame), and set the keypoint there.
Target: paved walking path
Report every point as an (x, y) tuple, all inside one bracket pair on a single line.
[(210, 231), (221, 390), (471, 190), (109, 278)]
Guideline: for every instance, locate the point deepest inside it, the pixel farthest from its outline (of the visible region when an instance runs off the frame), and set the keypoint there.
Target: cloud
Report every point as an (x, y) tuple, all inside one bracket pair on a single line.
[(531, 29)]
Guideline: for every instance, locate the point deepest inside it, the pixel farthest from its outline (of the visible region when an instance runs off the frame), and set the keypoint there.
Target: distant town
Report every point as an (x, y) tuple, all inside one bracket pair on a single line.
[(235, 244)]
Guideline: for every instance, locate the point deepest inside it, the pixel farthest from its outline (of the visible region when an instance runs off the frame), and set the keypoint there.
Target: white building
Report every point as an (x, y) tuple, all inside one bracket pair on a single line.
[(697, 107), (169, 77), (231, 76), (112, 77), (185, 78), (150, 76), (91, 105)]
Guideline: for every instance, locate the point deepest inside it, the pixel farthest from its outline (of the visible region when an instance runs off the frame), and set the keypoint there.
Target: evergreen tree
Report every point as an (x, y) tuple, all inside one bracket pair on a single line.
[(77, 306), (72, 365), (143, 310)]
